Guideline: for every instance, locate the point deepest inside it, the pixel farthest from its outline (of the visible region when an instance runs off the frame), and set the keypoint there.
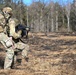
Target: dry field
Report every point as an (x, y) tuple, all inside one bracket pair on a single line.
[(54, 54)]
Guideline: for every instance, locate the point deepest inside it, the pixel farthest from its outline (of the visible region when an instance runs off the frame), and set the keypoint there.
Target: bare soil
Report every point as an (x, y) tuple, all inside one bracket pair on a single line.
[(54, 54)]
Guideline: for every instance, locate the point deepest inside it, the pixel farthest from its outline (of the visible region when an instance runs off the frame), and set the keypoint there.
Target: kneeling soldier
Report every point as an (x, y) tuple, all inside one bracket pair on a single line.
[(7, 34)]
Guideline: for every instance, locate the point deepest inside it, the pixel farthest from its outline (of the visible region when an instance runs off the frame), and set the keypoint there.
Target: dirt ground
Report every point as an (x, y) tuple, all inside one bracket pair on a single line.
[(54, 54)]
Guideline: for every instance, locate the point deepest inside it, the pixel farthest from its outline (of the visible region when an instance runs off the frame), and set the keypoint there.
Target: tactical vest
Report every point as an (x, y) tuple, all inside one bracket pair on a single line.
[(4, 25)]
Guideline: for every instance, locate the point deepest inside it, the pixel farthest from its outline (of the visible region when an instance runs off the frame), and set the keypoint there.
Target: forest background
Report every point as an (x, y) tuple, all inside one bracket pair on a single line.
[(44, 16)]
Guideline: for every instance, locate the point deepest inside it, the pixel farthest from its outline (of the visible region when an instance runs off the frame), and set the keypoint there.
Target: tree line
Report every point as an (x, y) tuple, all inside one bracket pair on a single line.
[(44, 16)]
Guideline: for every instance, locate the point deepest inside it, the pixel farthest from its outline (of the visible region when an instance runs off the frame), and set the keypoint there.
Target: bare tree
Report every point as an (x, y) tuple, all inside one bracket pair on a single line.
[(52, 16), (63, 11), (67, 8), (37, 14), (34, 14), (56, 21), (56, 13)]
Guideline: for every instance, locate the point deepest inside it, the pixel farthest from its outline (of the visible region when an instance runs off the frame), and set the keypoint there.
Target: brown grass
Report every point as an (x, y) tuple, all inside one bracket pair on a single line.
[(54, 54)]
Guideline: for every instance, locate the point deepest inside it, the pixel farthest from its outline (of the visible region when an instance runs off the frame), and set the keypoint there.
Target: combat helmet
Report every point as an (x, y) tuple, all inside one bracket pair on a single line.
[(7, 11)]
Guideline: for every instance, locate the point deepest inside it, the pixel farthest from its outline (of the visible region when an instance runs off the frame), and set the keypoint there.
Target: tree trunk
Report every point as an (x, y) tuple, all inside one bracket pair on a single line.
[(48, 27), (63, 19), (52, 25), (56, 22), (68, 24)]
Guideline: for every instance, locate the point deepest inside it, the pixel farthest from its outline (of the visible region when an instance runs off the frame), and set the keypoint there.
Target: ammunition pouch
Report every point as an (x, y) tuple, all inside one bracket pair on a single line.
[(9, 42)]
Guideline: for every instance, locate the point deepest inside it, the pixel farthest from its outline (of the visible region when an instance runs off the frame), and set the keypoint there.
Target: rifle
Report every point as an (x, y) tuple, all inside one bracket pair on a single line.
[(25, 30)]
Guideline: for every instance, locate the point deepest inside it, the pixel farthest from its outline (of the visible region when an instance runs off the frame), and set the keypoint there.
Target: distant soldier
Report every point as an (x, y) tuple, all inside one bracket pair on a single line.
[(10, 39)]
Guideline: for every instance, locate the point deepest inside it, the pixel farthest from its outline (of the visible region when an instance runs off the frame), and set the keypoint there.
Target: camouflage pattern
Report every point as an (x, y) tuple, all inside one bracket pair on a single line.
[(3, 37), (23, 47), (12, 25), (2, 20), (7, 10), (9, 58)]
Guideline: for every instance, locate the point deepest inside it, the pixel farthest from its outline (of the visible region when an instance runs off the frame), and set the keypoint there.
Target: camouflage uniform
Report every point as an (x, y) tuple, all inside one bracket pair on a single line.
[(7, 41)]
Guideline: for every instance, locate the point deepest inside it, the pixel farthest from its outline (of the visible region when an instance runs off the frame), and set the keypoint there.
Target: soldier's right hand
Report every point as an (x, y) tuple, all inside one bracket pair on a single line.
[(17, 35)]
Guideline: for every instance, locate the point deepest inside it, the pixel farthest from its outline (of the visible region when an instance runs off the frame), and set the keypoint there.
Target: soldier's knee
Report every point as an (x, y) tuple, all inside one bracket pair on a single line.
[(10, 50), (25, 51), (27, 47), (9, 53)]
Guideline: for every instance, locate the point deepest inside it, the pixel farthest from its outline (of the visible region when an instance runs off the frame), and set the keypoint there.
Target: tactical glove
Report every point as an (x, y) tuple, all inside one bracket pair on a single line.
[(17, 35)]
